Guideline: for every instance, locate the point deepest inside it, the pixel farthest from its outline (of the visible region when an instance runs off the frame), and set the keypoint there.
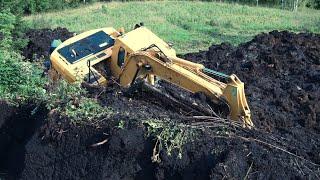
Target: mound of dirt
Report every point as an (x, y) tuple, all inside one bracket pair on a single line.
[(40, 41), (281, 71), (281, 74)]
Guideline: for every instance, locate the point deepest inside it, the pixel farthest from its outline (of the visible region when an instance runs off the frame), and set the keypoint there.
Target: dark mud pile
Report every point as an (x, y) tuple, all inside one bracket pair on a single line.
[(281, 74), (40, 41), (281, 71)]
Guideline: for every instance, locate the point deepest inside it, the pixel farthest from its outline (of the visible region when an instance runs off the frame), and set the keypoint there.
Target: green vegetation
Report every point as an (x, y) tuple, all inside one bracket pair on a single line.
[(19, 80), (170, 136), (191, 26), (121, 124), (70, 100), (34, 6)]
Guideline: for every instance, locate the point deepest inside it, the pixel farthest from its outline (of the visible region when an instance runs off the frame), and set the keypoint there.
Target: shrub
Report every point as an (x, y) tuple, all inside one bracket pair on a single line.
[(87, 110), (70, 100), (11, 30), (35, 6), (169, 135), (22, 81), (19, 81)]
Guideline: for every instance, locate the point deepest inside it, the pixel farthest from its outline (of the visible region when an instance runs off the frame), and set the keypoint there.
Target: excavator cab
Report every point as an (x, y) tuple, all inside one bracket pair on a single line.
[(82, 57)]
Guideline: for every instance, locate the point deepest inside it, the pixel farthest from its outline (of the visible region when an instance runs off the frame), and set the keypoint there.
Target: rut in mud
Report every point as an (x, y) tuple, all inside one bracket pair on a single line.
[(282, 75)]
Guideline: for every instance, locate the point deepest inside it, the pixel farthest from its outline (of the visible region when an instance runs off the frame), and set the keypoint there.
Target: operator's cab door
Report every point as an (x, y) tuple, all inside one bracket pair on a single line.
[(118, 59), (121, 57)]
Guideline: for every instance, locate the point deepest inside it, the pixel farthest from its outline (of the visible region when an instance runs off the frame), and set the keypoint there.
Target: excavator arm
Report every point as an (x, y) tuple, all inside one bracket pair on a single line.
[(191, 77)]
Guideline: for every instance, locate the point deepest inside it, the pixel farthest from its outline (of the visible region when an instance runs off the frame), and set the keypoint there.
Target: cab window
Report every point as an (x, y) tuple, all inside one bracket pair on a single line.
[(121, 56)]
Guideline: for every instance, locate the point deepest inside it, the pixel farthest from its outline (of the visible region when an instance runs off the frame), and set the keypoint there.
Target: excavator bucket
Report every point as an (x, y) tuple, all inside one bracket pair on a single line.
[(236, 99)]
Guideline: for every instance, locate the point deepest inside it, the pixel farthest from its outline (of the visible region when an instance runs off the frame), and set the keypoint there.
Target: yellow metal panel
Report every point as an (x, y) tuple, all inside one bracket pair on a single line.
[(79, 69), (142, 38)]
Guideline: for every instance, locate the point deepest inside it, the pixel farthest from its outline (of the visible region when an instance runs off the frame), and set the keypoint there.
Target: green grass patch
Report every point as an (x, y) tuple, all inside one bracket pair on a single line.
[(191, 26)]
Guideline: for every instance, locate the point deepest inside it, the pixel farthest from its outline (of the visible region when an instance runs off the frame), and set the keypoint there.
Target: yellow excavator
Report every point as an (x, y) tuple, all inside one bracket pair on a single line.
[(97, 55)]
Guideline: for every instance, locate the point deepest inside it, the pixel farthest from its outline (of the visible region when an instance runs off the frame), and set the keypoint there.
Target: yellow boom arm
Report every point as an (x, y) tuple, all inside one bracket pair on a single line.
[(189, 76)]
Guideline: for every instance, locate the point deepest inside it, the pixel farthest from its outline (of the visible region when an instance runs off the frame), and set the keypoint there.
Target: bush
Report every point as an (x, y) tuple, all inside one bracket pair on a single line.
[(87, 110), (70, 100), (35, 6), (170, 136), (11, 30), (19, 80)]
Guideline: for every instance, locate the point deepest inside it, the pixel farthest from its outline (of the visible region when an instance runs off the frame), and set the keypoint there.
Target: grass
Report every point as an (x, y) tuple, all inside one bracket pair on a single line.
[(191, 26)]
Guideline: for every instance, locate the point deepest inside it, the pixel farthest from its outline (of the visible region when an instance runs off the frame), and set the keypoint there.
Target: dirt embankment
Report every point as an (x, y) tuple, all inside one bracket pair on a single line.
[(281, 73)]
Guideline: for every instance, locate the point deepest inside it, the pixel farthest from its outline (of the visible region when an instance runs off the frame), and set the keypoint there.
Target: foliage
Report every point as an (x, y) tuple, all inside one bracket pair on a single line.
[(88, 110), (170, 136), (19, 80), (121, 124), (312, 4), (196, 25), (62, 93), (35, 6), (11, 31), (70, 100)]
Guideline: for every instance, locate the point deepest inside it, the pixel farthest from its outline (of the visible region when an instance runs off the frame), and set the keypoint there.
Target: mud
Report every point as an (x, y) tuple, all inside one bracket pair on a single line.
[(282, 76), (40, 41), (281, 73)]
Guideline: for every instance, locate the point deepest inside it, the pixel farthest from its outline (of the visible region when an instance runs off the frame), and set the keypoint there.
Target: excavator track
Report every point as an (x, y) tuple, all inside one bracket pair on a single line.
[(184, 102)]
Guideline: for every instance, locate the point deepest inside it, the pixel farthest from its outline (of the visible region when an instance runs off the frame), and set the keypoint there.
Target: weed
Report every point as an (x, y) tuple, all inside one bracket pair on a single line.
[(169, 135), (87, 110), (121, 124), (104, 9), (19, 81), (70, 100)]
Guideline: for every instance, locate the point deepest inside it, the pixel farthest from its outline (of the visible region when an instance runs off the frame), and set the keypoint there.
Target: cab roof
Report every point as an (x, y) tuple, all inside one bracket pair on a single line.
[(141, 38)]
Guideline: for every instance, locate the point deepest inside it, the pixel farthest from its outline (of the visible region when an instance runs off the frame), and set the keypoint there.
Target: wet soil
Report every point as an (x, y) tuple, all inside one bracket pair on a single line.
[(40, 40), (281, 73)]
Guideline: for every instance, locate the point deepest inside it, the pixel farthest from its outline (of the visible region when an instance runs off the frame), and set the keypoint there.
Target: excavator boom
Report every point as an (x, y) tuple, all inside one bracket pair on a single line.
[(189, 76)]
